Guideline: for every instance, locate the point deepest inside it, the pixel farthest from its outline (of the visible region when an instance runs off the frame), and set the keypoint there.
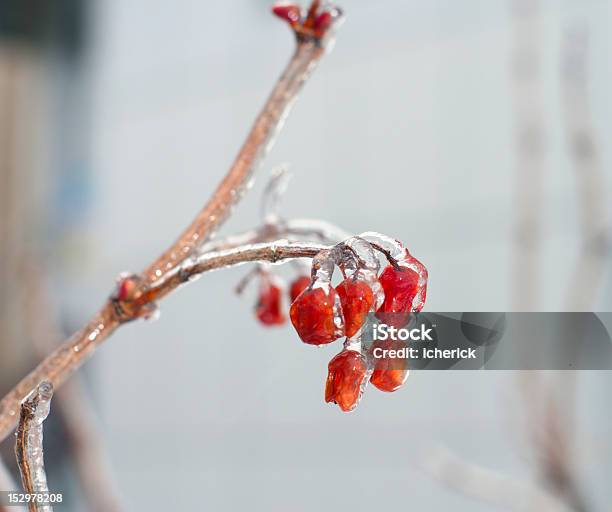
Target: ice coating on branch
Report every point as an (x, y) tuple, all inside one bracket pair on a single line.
[(393, 247), (412, 263), (273, 194), (39, 402), (361, 263), (29, 448), (322, 269), (399, 256), (358, 254)]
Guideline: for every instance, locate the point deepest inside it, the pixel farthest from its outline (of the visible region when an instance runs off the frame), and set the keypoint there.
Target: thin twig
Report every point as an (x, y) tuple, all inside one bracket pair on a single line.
[(590, 179), (267, 252), (29, 445), (555, 439), (293, 230), (487, 485)]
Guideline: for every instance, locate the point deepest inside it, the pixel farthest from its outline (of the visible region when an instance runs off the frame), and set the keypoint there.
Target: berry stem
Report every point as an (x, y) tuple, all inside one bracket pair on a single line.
[(266, 252), (392, 261), (295, 229)]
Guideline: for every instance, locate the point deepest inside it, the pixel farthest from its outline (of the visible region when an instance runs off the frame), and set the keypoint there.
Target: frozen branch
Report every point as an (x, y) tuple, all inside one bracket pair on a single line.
[(293, 230), (192, 268), (69, 356), (314, 34), (258, 143), (29, 445)]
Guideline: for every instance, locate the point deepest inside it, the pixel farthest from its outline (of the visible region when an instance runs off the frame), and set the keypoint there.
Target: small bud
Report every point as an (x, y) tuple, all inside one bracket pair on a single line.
[(322, 22), (289, 12), (127, 287)]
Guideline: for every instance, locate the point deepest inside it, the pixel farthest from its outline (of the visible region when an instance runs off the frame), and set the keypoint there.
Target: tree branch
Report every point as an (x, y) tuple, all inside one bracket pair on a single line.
[(162, 276), (29, 445), (73, 353)]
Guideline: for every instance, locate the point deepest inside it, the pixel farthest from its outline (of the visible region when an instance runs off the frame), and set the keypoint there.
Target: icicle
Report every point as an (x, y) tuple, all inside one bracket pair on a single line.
[(29, 447)]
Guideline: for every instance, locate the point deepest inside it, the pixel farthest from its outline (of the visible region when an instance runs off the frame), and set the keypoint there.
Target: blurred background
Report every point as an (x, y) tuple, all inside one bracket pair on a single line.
[(477, 132)]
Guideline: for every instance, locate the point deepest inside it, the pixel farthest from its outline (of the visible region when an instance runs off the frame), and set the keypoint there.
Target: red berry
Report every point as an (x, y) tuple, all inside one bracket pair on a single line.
[(288, 12), (298, 286), (313, 314), (269, 309), (346, 372), (419, 300), (400, 285), (322, 22), (356, 298), (389, 373)]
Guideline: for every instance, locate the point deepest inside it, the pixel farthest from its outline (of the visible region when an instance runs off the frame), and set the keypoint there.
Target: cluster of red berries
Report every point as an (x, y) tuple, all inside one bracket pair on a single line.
[(321, 314)]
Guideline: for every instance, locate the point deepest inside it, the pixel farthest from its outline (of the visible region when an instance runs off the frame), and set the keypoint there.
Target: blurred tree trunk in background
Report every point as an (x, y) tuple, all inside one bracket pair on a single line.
[(39, 41)]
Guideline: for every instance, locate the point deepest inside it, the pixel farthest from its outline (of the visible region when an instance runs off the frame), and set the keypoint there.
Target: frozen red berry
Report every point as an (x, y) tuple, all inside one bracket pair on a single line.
[(389, 373), (315, 316), (298, 286), (346, 372), (356, 298), (287, 11), (401, 285), (322, 22), (269, 308), (410, 261)]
